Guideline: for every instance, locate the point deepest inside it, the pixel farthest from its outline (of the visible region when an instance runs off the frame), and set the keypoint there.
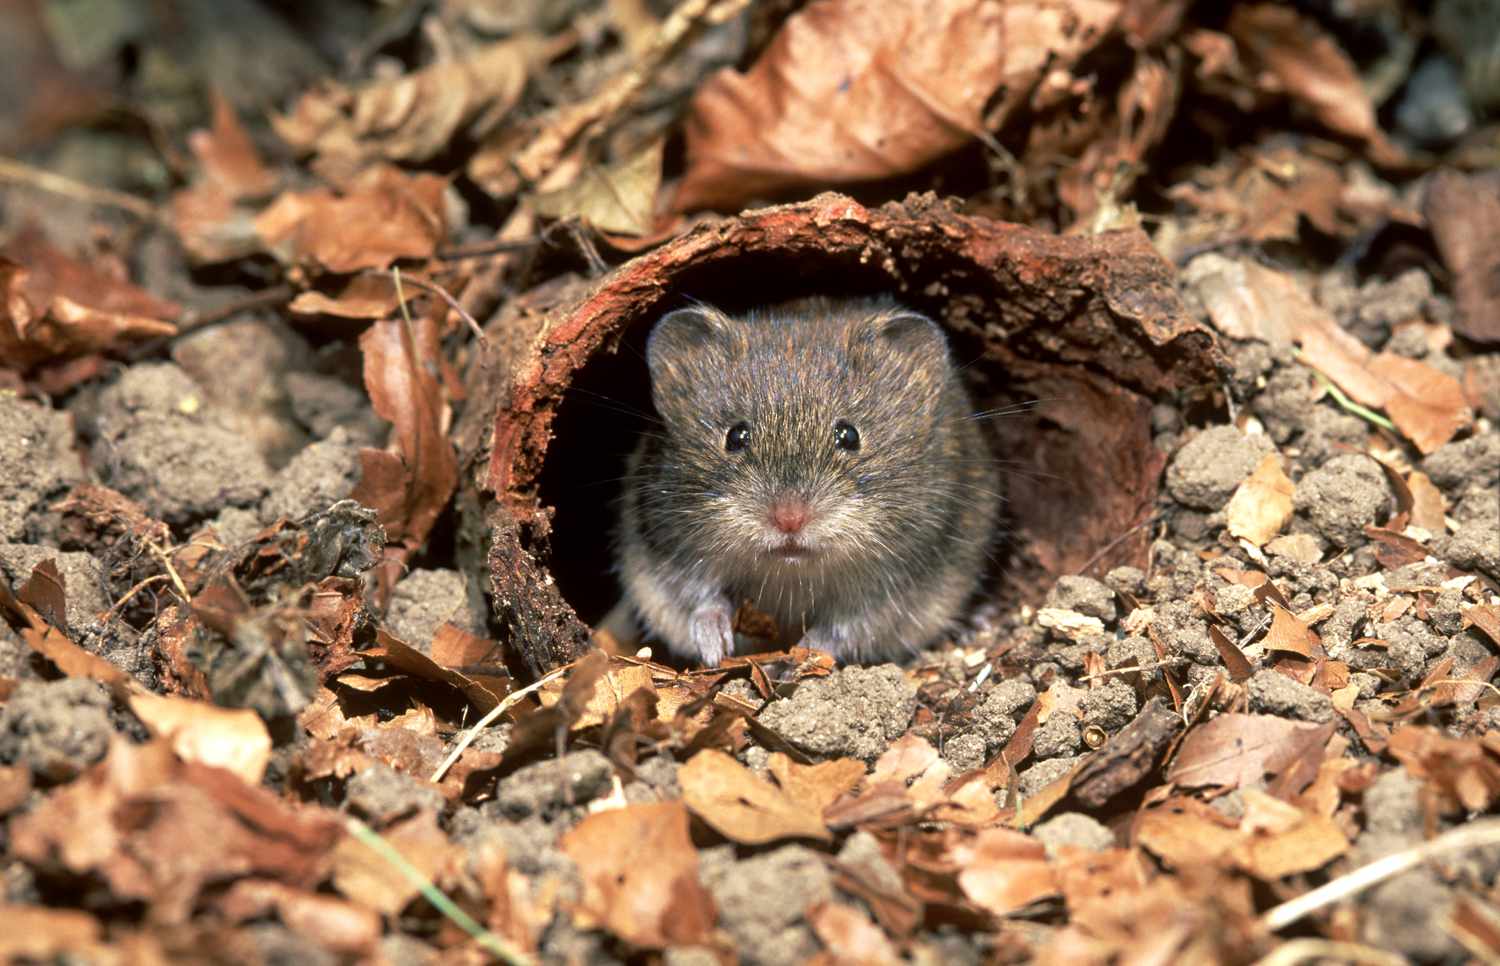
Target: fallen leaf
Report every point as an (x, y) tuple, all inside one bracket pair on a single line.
[(640, 875), (617, 198), (1427, 507), (57, 307), (1311, 67), (366, 876), (1262, 503), (147, 826), (234, 739), (850, 936), (1462, 773), (382, 214), (1486, 617), (742, 807), (1234, 750), (37, 934), (1004, 871), (417, 115), (853, 90), (1464, 212), (409, 487), (1281, 839), (1249, 300), (817, 786), (1290, 634)]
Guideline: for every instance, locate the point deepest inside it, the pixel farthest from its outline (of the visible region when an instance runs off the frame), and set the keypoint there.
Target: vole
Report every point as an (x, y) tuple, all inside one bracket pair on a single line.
[(817, 458)]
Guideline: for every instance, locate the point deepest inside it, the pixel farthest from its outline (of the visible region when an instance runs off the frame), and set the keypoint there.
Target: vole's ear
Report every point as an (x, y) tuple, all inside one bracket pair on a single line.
[(910, 334), (686, 334)]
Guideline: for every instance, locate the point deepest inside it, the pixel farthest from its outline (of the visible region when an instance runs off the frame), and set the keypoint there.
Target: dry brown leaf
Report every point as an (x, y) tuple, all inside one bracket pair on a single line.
[(231, 738), (331, 923), (383, 214), (367, 877), (1003, 871), (1310, 66), (1262, 504), (37, 934), (618, 198), (227, 156), (1464, 212), (407, 488), (815, 787), (640, 875), (1290, 634), (1427, 504), (1462, 773), (1486, 617), (149, 827), (363, 297), (1239, 749), (741, 806), (1185, 837), (56, 307), (852, 90), (1247, 300), (850, 936), (1282, 840), (1428, 406), (416, 116)]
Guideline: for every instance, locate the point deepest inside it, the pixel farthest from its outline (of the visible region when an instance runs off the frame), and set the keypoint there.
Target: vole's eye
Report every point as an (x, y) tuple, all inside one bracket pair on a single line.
[(737, 438), (845, 436)]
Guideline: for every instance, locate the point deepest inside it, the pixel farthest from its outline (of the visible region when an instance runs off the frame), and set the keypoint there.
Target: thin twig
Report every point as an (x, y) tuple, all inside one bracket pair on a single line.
[(441, 293), (468, 736), (52, 183), (1461, 839), (1328, 951), (1342, 399)]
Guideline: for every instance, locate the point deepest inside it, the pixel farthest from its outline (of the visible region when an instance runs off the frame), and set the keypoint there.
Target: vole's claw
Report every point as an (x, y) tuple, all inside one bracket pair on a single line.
[(713, 632)]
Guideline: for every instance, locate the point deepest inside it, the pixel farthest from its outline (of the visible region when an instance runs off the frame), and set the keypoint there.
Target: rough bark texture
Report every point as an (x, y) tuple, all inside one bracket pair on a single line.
[(1092, 326)]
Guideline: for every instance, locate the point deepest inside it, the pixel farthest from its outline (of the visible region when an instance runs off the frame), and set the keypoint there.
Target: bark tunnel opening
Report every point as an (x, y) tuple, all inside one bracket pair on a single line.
[(1081, 334)]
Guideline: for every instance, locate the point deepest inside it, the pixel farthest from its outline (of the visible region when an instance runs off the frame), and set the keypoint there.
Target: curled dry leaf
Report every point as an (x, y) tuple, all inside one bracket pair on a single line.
[(1309, 65), (1427, 505), (618, 198), (817, 786), (1247, 300), (381, 215), (232, 739), (741, 806), (850, 935), (1234, 750), (640, 875), (416, 116), (853, 90), (363, 874), (1004, 871), (1272, 840), (1464, 212), (1289, 633), (407, 488), (210, 216), (1262, 504), (56, 307), (148, 826), (1461, 773)]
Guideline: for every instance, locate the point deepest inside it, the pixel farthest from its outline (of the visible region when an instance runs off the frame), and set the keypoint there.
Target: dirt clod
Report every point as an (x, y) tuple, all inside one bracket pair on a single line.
[(55, 728), (762, 900), (1204, 473), (1343, 496), (856, 711)]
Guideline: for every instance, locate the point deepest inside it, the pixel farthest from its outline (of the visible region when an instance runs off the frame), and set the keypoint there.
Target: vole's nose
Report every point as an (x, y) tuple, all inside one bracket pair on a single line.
[(790, 514)]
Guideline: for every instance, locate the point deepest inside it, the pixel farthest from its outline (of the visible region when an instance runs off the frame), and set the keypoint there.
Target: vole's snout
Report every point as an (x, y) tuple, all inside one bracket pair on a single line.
[(790, 514)]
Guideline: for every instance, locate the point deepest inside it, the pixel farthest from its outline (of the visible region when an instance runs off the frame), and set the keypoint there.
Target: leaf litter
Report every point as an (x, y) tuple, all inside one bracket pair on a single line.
[(210, 706)]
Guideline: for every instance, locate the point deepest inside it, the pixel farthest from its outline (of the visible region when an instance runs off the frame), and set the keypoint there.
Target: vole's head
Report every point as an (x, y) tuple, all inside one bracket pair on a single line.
[(808, 435)]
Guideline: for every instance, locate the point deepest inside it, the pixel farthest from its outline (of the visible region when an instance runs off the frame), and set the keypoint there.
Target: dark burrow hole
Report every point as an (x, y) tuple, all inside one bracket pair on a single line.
[(608, 404)]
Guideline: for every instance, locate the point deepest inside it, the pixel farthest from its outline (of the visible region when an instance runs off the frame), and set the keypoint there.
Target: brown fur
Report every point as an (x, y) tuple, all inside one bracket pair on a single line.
[(900, 528)]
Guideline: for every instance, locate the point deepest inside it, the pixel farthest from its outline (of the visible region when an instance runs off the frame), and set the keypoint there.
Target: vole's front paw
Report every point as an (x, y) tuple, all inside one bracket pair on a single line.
[(829, 638), (713, 632)]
